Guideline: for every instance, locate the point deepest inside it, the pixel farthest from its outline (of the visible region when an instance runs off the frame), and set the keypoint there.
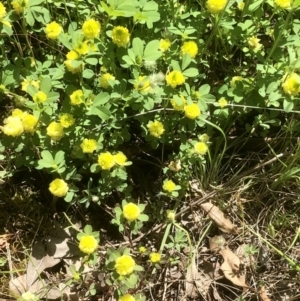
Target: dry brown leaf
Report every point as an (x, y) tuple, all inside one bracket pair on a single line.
[(263, 294), (196, 282), (230, 268), (224, 224)]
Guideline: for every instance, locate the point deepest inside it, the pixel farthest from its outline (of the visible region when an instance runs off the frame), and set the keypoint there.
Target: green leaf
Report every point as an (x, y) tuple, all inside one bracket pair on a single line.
[(88, 73), (46, 85), (52, 96), (91, 61), (47, 156), (29, 17), (143, 218), (191, 72), (151, 52), (288, 105), (60, 157), (186, 60), (88, 229), (35, 2), (101, 99), (138, 46)]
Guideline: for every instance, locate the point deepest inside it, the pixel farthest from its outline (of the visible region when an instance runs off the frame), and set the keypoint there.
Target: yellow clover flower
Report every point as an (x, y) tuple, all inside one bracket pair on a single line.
[(88, 145), (201, 148), (58, 187), (66, 120), (88, 244), (285, 4), (175, 78), (120, 158), (234, 80), (155, 257), (241, 5), (222, 102), (254, 44), (77, 97), (127, 297), (71, 57), (120, 36), (25, 83), (12, 126), (28, 296), (2, 11), (171, 215), (91, 29), (169, 186), (178, 107), (53, 30), (29, 123), (104, 80), (192, 111), (39, 97), (131, 212), (156, 128), (82, 48), (55, 130), (106, 161), (142, 84), (189, 47), (216, 6), (124, 265), (19, 5), (291, 85), (164, 45), (142, 249)]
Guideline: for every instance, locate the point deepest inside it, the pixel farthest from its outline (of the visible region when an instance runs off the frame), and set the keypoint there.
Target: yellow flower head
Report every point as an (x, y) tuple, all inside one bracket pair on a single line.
[(71, 57), (142, 249), (88, 145), (104, 80), (2, 11), (106, 161), (66, 120), (124, 265), (19, 5), (25, 83), (77, 97), (204, 137), (216, 6), (241, 5), (12, 126), (156, 128), (254, 44), (189, 47), (201, 148), (175, 78), (131, 212), (155, 257), (142, 84), (88, 244), (178, 107), (169, 186), (82, 48), (55, 130), (234, 80), (164, 45), (120, 36), (28, 296), (29, 123), (91, 29), (192, 111), (120, 158), (2, 88), (171, 215), (291, 85), (18, 113), (58, 187), (127, 297), (222, 102), (39, 97), (53, 30), (285, 4)]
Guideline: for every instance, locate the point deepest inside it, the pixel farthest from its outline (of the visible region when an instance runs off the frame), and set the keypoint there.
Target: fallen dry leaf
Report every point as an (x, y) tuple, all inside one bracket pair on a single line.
[(230, 268), (196, 282), (224, 224), (263, 294)]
